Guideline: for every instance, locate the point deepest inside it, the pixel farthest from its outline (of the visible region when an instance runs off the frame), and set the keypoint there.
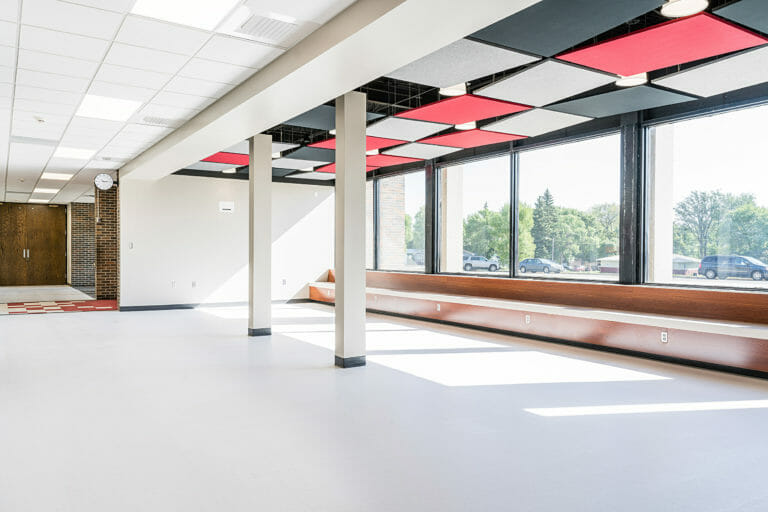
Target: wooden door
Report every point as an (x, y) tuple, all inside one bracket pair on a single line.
[(46, 245), (13, 245)]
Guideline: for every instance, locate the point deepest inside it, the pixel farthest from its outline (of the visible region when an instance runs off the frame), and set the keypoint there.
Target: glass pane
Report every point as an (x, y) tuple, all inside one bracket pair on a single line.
[(708, 201), (568, 223), (474, 217), (369, 242), (401, 222)]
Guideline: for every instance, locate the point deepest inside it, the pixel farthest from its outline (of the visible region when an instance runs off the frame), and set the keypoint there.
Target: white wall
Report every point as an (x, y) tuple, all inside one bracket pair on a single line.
[(172, 234)]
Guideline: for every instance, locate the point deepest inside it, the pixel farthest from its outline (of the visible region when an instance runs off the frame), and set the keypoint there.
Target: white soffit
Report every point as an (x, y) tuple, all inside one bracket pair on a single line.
[(460, 62), (535, 122), (186, 85), (421, 151), (404, 129), (545, 83), (736, 72), (292, 163)]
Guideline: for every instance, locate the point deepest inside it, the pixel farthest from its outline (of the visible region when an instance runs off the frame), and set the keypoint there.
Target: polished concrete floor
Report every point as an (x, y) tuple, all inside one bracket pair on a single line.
[(177, 410), (41, 293)]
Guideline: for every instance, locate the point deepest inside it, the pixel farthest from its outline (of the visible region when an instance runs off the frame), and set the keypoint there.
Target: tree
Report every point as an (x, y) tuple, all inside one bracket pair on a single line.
[(607, 217), (544, 222), (408, 231), (525, 246), (699, 213), (486, 233), (745, 230)]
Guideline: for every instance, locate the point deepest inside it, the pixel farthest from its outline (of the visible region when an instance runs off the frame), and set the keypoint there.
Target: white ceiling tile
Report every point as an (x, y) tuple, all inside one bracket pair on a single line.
[(88, 124), (72, 18), (43, 107), (36, 116), (51, 81), (126, 92), (173, 99), (537, 121), (26, 162), (47, 95), (6, 74), (38, 61), (170, 116), (319, 176), (64, 165), (240, 52), (203, 69), (307, 10), (144, 58), (16, 197), (134, 77), (545, 83), (9, 10), (292, 163), (6, 90), (8, 33), (404, 129), (460, 62), (159, 35), (121, 6), (422, 151), (103, 164), (59, 43), (184, 85), (7, 56), (276, 146)]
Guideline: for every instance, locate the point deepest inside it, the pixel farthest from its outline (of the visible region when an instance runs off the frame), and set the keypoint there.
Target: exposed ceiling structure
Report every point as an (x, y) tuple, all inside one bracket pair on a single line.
[(87, 85), (547, 67)]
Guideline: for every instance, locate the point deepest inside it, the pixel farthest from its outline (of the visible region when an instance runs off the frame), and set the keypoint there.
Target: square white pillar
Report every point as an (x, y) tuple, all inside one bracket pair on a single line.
[(260, 236), (350, 230)]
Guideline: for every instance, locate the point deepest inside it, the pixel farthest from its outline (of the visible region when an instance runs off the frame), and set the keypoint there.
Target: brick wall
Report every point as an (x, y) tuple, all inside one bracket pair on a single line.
[(392, 254), (107, 244), (83, 244)]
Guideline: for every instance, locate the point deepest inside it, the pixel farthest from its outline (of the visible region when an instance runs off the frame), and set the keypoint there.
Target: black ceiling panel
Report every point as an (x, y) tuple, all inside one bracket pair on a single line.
[(316, 154), (276, 171), (322, 118), (750, 13), (620, 102), (551, 26)]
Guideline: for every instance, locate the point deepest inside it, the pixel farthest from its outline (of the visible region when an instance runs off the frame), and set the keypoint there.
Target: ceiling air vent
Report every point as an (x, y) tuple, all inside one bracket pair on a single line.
[(267, 29), (162, 121)]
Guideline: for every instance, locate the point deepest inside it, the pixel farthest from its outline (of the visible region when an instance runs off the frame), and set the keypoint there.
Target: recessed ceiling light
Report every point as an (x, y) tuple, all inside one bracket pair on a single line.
[(454, 90), (632, 80), (372, 152), (56, 176), (103, 107), (466, 126), (73, 153), (231, 170), (36, 200), (46, 191), (200, 13), (681, 8)]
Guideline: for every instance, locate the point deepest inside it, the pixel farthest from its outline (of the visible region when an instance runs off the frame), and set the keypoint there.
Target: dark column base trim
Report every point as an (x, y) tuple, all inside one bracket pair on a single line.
[(266, 331), (350, 362)]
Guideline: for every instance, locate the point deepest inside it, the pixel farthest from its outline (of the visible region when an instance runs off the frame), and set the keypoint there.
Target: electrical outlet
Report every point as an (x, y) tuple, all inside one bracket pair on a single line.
[(664, 337), (527, 319), (438, 307), (130, 245), (285, 282), (173, 284), (194, 284)]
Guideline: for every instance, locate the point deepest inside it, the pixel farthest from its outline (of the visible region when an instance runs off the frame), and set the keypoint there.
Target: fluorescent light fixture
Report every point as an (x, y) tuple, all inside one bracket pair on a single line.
[(74, 153), (632, 80), (372, 152), (103, 107), (598, 410), (454, 90), (204, 14), (46, 191), (56, 176), (276, 154), (332, 132), (681, 8), (231, 170), (37, 200), (466, 126)]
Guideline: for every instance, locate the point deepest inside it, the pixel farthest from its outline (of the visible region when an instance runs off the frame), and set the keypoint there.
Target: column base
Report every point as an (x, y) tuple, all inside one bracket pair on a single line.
[(266, 331), (350, 362)]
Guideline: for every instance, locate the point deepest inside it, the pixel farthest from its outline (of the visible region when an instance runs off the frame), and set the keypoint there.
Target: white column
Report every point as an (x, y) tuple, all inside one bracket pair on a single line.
[(661, 212), (260, 236), (350, 230), (452, 219)]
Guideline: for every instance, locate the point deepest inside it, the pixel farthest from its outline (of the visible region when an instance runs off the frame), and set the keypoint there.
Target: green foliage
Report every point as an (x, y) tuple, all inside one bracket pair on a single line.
[(525, 246), (544, 225), (486, 233), (414, 230)]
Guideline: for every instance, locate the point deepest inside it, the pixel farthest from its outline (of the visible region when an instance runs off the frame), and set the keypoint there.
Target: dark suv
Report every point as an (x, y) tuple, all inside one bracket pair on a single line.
[(733, 266)]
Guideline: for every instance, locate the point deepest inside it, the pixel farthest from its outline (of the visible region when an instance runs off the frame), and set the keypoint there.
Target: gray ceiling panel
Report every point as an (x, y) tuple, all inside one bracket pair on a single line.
[(278, 171), (551, 26), (322, 118), (316, 154), (621, 101), (751, 13)]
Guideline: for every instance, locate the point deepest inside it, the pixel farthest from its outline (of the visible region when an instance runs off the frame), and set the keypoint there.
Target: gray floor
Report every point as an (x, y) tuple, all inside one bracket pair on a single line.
[(41, 293), (177, 410)]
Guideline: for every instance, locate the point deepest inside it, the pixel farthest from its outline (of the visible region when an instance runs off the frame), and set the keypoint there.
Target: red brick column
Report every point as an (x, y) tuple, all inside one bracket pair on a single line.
[(83, 244), (107, 244)]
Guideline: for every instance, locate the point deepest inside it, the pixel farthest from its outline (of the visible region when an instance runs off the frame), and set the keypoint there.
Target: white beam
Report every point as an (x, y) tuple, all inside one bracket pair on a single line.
[(350, 230), (260, 236), (367, 40)]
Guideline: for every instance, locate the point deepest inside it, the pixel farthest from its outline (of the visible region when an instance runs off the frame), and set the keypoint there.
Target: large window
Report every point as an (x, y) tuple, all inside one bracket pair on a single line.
[(568, 222), (708, 201), (401, 218), (370, 243), (474, 217)]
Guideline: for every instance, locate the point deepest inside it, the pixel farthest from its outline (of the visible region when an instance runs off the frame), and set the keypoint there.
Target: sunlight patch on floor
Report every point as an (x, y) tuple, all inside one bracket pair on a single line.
[(596, 410)]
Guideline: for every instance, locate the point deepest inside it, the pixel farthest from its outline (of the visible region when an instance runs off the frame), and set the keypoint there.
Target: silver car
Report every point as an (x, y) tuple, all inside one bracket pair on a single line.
[(480, 263)]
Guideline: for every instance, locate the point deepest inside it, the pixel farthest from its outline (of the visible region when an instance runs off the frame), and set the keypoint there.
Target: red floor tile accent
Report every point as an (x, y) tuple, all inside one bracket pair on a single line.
[(20, 308)]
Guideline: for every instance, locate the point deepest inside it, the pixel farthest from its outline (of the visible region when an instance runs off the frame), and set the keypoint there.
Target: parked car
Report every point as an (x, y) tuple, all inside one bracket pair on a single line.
[(479, 263), (733, 266), (539, 265)]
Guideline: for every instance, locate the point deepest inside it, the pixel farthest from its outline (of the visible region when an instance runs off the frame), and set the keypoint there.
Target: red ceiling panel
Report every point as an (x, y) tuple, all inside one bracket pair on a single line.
[(471, 138), (387, 160), (668, 44), (370, 143), (462, 109), (332, 168), (228, 158)]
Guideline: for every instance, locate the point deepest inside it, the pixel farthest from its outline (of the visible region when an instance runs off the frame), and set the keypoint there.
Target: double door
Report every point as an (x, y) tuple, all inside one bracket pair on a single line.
[(33, 245)]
